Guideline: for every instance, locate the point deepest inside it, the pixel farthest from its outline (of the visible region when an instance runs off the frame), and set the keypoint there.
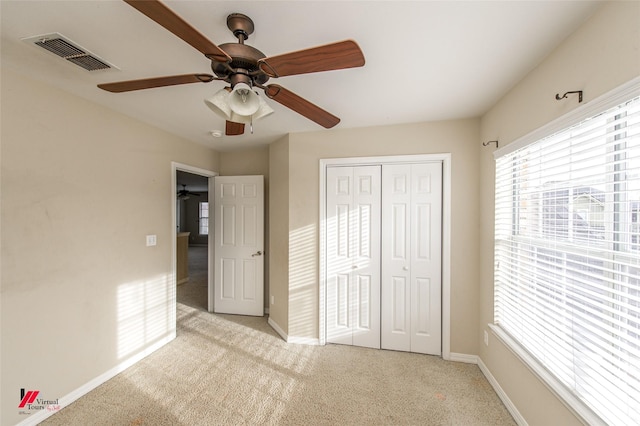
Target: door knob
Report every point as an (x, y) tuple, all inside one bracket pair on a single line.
[(354, 267), (259, 253), (405, 268)]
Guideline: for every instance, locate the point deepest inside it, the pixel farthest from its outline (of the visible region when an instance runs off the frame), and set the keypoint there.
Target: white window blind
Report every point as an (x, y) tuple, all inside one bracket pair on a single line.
[(567, 252)]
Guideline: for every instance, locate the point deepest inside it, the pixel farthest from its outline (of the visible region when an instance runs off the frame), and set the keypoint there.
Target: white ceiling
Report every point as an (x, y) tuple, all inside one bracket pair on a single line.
[(425, 60)]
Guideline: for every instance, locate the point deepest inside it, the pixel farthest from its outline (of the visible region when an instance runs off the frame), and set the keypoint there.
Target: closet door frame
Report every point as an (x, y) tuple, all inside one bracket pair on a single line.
[(445, 159)]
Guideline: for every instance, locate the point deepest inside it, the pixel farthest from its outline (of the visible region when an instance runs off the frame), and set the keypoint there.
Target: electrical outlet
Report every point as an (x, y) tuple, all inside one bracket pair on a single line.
[(486, 338), (151, 240)]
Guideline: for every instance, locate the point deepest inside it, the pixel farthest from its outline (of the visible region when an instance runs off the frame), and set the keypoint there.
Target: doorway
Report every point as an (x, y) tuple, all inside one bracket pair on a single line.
[(192, 241), (192, 228)]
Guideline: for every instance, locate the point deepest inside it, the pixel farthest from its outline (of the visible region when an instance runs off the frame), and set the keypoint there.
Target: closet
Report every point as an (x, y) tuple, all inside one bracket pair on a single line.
[(383, 256)]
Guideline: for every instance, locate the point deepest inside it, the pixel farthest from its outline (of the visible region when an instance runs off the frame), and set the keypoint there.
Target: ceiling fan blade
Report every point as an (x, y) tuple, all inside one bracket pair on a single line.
[(148, 83), (164, 16), (301, 106), (334, 56), (234, 129)]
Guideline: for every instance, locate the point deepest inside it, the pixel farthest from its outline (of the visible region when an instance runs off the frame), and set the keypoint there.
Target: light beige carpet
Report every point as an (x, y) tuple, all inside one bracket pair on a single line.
[(234, 370)]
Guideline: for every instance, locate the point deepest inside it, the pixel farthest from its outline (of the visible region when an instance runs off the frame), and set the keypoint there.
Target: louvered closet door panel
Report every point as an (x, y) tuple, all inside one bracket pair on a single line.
[(353, 255)]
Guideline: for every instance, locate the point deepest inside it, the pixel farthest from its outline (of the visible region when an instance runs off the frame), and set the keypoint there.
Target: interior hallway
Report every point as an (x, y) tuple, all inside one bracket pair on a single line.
[(193, 293)]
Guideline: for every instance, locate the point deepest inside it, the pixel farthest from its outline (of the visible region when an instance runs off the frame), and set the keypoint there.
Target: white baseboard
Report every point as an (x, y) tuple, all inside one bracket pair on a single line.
[(303, 340), (292, 339), (277, 328), (66, 400), (468, 359), (475, 359), (502, 394)]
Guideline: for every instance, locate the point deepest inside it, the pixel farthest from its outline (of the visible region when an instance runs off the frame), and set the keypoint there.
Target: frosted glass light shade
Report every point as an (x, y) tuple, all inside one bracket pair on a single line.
[(243, 100), (263, 110), (219, 103)]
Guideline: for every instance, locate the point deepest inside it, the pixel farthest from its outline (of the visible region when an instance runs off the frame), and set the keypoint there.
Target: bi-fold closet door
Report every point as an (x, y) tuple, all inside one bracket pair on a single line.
[(384, 256), (353, 255), (411, 258)]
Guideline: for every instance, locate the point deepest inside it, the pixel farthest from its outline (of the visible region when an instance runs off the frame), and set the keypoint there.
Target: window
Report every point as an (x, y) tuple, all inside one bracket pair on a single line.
[(203, 217), (567, 275)]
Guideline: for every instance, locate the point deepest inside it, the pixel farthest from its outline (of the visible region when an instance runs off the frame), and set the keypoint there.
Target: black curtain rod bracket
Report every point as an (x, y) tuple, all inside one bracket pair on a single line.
[(579, 92), (489, 143)]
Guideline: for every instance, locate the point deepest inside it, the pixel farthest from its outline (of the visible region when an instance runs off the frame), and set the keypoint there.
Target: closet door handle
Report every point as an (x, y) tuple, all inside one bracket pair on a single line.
[(405, 268), (354, 267)]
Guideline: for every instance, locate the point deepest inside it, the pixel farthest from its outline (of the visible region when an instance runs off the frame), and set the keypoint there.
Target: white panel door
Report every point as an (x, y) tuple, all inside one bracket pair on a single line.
[(239, 245), (411, 266), (339, 262), (396, 258), (426, 258), (353, 256)]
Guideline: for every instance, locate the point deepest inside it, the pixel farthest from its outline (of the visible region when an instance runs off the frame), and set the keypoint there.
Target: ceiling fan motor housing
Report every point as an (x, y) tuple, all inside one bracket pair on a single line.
[(244, 61)]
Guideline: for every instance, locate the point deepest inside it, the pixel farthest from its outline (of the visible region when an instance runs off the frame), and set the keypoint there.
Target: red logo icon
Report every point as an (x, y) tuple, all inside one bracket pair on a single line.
[(27, 398)]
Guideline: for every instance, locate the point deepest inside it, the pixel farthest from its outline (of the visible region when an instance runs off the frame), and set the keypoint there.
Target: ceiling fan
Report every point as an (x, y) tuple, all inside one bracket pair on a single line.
[(239, 64), (184, 193)]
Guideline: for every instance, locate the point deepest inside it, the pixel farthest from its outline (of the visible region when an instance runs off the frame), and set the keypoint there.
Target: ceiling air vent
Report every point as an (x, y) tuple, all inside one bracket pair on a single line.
[(63, 47)]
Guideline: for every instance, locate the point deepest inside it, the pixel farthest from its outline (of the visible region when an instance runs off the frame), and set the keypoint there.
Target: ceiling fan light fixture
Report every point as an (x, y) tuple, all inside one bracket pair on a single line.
[(243, 100), (221, 102), (264, 110)]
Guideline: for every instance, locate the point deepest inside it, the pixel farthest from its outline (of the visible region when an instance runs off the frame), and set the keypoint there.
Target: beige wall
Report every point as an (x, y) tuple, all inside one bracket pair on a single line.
[(248, 161), (279, 233), (81, 293), (602, 54), (460, 138), (252, 161)]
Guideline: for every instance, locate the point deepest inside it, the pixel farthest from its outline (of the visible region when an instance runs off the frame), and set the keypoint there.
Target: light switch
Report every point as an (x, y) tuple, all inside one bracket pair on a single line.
[(151, 240)]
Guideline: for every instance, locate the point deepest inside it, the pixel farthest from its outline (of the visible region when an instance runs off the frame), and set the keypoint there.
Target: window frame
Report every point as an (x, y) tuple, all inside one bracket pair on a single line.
[(203, 221), (609, 100)]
